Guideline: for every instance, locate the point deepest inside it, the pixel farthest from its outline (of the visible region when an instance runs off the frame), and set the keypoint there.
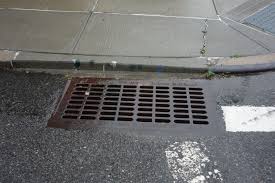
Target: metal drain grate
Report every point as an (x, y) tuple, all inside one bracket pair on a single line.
[(90, 101)]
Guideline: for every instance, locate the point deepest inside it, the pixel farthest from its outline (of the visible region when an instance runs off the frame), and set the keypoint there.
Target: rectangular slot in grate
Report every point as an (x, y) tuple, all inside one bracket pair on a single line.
[(88, 102)]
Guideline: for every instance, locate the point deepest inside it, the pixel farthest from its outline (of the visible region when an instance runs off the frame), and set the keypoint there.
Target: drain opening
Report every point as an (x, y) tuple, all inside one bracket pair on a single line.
[(198, 106), (129, 91), (127, 104), (146, 87), (88, 117), (92, 103), (162, 110), (82, 85), (162, 120), (134, 103), (96, 89), (91, 107), (124, 119), (179, 88), (145, 100), (114, 86), (162, 115), (74, 106), (71, 112), (180, 101), (69, 117), (182, 121), (89, 112), (79, 93), (196, 97), (162, 87), (144, 120), (162, 96), (77, 98), (111, 98), (125, 114), (201, 122), (93, 98), (145, 109), (75, 102), (181, 116), (126, 109), (145, 114), (129, 86), (179, 92), (145, 104), (107, 118)]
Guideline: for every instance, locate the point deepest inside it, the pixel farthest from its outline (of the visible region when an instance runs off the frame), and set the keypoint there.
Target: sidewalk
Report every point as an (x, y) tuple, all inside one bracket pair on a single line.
[(125, 29)]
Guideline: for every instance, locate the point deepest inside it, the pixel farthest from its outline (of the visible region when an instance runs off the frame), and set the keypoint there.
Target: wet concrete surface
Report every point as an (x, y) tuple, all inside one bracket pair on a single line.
[(124, 35), (248, 8), (225, 41), (224, 6), (194, 8), (63, 5), (40, 31), (30, 152), (70, 27), (264, 39), (140, 36)]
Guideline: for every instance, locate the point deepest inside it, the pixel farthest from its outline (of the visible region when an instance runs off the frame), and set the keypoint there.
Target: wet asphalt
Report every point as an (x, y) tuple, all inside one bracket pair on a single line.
[(31, 152)]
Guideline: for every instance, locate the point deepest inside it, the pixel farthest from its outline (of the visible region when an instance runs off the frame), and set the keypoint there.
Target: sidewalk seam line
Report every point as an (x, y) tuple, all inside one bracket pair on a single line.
[(95, 5), (155, 15), (215, 7), (81, 33), (43, 10), (98, 55)]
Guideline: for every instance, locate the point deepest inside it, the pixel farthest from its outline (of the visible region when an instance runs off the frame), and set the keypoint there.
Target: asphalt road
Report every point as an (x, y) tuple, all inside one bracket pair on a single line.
[(31, 152)]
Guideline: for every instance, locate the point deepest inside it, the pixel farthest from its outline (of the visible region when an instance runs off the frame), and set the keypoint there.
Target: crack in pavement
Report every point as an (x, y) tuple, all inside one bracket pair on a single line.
[(204, 37)]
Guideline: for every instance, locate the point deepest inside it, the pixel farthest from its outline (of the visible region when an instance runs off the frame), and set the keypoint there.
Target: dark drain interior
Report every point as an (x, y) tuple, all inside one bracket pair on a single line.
[(136, 103)]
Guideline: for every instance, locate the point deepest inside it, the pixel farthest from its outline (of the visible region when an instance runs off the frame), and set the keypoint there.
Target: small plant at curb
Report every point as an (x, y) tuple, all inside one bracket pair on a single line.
[(209, 74), (236, 56), (76, 63), (202, 51)]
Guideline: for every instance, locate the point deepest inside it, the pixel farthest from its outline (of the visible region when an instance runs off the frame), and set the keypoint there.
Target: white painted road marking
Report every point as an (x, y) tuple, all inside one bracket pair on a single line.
[(187, 161), (249, 118)]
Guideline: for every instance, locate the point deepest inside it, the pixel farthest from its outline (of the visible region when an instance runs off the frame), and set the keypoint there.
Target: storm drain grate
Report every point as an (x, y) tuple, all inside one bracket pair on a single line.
[(95, 101)]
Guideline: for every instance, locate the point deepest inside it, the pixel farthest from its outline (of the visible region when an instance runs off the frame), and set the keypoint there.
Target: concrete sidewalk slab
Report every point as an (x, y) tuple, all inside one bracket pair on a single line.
[(246, 9), (224, 6), (194, 8), (40, 31), (65, 5), (265, 39), (225, 41), (129, 35)]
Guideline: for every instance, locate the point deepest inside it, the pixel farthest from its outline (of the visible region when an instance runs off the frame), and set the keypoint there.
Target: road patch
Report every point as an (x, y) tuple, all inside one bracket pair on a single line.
[(249, 118), (188, 162)]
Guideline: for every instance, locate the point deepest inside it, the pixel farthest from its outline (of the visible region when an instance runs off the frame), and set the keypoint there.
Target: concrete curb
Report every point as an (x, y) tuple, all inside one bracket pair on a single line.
[(91, 65), (6, 57), (138, 64), (243, 68)]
